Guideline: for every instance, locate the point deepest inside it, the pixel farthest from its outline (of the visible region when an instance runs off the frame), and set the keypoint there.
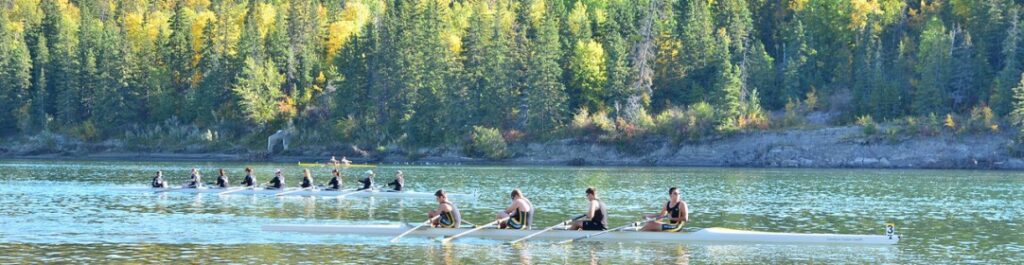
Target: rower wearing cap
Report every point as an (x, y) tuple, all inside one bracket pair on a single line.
[(519, 213), (159, 181), (307, 179), (336, 181), (222, 180), (368, 181), (675, 209), (345, 162), (277, 182), (399, 181), (196, 180), (450, 216), (596, 213)]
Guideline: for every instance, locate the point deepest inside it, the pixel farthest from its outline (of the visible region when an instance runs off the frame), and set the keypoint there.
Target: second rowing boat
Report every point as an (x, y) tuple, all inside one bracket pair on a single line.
[(320, 193)]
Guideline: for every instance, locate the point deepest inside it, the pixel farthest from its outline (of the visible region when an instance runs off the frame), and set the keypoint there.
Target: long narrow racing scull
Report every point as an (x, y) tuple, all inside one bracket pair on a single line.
[(706, 235)]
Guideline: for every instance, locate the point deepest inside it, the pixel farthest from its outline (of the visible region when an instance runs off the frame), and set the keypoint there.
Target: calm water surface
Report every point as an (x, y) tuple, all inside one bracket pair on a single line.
[(86, 212)]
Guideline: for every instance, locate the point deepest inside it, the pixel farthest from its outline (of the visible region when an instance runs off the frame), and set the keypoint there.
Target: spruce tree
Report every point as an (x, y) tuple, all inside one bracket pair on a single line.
[(933, 56)]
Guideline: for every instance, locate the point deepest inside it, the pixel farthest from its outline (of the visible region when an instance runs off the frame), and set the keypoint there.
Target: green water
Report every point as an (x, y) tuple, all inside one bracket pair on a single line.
[(86, 212)]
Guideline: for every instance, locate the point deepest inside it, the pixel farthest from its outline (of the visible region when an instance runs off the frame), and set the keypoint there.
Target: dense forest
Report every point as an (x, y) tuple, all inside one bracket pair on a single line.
[(420, 73)]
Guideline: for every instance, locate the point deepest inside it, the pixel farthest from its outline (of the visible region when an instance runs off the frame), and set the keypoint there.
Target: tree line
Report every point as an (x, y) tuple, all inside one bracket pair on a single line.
[(427, 72)]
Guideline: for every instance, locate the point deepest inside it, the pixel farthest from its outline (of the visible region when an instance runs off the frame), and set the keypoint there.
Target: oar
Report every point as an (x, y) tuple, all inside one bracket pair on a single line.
[(393, 240), (233, 190), (166, 190), (545, 230), (602, 232), (290, 192), (446, 240)]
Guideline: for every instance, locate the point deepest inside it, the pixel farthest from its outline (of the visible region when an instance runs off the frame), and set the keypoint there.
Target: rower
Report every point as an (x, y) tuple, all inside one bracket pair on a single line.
[(277, 182), (450, 217), (345, 161), (336, 181), (399, 181), (519, 213), (222, 180), (250, 180), (307, 179), (368, 181), (334, 161), (675, 209), (596, 213), (158, 180), (196, 180)]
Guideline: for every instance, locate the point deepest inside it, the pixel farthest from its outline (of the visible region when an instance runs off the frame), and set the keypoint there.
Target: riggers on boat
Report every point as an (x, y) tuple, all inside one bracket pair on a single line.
[(310, 192), (706, 235)]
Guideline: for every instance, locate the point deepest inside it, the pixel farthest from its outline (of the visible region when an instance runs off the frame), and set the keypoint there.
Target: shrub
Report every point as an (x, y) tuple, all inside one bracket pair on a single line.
[(982, 119), (594, 125), (811, 100), (671, 123), (86, 131), (794, 116), (489, 142), (949, 123), (868, 125)]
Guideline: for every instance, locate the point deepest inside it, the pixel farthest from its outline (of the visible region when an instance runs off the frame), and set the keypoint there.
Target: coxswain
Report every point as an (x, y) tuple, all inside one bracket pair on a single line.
[(307, 179), (249, 181), (449, 214), (336, 181), (222, 180), (518, 214), (676, 211), (399, 181), (158, 180), (596, 213), (277, 182), (368, 181)]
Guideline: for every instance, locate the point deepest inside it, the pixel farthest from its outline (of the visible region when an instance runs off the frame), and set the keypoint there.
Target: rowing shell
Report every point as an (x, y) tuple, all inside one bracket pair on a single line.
[(707, 235), (324, 193), (339, 165)]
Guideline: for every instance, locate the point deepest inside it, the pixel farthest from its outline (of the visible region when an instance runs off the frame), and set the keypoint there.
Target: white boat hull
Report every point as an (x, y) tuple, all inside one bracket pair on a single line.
[(707, 235), (320, 193)]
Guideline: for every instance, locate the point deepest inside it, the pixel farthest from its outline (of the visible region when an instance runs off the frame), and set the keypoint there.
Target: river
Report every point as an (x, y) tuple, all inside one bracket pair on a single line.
[(92, 212)]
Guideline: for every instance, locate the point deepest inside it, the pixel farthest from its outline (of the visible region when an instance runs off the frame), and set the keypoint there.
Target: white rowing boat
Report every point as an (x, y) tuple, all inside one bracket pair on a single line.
[(319, 193), (706, 235)]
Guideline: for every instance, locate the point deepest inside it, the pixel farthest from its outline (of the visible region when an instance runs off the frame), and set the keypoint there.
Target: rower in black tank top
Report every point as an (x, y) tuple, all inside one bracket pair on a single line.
[(598, 222), (518, 219), (447, 219), (673, 212)]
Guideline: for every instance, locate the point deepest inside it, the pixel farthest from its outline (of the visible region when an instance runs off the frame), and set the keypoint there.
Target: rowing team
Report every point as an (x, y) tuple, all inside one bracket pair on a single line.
[(519, 214), (278, 182)]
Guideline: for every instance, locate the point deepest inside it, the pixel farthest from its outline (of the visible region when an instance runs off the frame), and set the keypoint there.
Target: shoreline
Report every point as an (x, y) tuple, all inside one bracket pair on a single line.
[(830, 147)]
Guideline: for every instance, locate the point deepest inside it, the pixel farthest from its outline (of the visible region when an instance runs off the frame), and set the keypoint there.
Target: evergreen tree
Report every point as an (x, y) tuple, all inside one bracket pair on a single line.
[(15, 78), (546, 98), (1001, 100), (963, 88), (61, 31), (37, 109), (933, 55), (177, 58)]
